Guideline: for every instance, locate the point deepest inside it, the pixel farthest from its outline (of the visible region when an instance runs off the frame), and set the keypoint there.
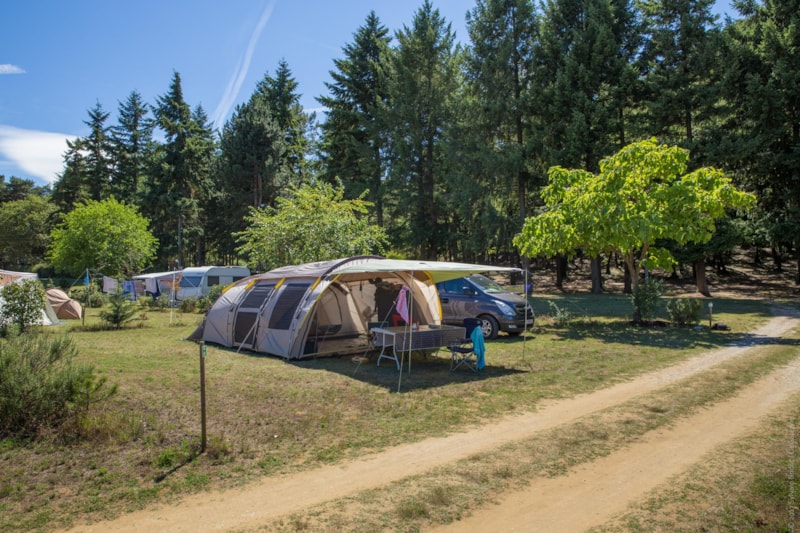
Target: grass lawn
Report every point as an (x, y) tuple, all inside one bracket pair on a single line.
[(268, 416)]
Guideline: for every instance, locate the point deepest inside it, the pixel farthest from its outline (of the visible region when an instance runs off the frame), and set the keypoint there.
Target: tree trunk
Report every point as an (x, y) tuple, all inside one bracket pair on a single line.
[(561, 271), (597, 275), (699, 267), (797, 275), (627, 289), (776, 258)]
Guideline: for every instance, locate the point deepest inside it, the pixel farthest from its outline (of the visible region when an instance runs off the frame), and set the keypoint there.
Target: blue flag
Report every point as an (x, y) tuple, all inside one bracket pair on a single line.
[(86, 279)]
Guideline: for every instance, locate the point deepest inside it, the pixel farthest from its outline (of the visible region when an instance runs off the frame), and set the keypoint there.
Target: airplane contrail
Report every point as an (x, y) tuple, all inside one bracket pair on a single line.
[(236, 81)]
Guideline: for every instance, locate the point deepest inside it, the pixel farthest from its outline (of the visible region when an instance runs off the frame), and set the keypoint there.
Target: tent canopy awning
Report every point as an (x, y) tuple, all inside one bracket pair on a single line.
[(436, 270)]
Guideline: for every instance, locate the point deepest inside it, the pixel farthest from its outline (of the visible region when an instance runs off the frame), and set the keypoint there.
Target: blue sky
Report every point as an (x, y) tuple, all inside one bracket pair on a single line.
[(58, 59)]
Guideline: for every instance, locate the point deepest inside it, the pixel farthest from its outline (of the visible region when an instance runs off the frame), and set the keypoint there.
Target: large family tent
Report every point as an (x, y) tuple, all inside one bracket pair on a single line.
[(326, 307), (48, 314)]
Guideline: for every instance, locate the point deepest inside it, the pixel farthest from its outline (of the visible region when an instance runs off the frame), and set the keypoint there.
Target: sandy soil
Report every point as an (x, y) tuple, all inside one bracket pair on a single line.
[(588, 496)]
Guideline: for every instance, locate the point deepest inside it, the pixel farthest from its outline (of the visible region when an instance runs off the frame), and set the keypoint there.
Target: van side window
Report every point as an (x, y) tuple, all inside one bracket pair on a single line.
[(213, 280), (453, 286)]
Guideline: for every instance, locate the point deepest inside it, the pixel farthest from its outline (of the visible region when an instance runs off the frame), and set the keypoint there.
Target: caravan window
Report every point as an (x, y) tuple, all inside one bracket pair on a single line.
[(190, 281), (213, 280), (287, 303)]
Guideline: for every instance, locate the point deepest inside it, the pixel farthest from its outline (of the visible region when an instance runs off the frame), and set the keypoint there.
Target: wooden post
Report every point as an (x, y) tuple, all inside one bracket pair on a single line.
[(202, 397)]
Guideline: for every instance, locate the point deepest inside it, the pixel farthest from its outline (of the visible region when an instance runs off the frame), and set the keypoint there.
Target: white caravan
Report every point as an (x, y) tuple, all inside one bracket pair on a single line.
[(197, 281)]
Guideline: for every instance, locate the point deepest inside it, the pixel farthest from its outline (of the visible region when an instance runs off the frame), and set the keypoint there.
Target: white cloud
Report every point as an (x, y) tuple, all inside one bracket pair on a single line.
[(39, 153), (11, 69), (236, 81)]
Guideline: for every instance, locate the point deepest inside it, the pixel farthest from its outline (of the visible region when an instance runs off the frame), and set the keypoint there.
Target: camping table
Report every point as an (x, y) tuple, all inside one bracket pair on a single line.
[(404, 339)]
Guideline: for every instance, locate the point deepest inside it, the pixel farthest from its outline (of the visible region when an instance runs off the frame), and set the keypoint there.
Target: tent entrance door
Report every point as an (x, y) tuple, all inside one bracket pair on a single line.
[(245, 322)]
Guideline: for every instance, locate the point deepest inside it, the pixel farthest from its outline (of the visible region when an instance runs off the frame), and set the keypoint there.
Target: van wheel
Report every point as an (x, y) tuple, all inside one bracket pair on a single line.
[(490, 327)]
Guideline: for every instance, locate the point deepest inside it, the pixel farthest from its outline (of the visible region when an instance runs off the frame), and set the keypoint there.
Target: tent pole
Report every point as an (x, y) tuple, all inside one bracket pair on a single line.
[(527, 303)]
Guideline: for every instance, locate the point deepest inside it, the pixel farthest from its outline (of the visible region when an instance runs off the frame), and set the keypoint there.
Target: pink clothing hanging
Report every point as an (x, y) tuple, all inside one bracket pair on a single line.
[(402, 305)]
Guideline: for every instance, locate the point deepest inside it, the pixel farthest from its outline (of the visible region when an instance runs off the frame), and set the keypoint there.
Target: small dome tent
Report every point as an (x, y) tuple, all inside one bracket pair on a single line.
[(326, 307), (65, 307)]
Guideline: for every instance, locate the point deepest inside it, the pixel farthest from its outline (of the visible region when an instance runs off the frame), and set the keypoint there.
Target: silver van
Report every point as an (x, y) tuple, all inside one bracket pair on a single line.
[(477, 296)]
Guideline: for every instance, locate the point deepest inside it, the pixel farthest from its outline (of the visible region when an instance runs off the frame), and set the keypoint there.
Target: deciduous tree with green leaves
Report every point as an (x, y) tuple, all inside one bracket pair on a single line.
[(640, 196), (23, 302), (314, 223), (26, 230), (107, 236)]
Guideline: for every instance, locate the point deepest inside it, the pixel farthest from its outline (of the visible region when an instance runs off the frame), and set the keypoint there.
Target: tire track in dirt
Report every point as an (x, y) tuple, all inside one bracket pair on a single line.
[(263, 502), (595, 492)]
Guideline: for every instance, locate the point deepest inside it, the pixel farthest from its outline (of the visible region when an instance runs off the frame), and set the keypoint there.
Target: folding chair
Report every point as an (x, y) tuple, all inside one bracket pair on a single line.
[(462, 352)]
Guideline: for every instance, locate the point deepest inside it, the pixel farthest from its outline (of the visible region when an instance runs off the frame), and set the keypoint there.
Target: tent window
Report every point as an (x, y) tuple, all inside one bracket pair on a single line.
[(257, 296), (287, 303), (243, 329)]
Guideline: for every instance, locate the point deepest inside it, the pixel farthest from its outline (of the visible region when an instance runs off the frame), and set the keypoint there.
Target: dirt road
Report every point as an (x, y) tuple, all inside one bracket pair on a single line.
[(570, 503)]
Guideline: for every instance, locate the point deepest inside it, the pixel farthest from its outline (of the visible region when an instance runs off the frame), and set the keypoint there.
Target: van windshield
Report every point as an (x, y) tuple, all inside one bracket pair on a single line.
[(486, 285)]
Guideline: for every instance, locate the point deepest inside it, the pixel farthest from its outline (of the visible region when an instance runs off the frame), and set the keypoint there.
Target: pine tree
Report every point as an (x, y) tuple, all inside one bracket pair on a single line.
[(353, 134), (70, 188), (98, 149), (680, 61), (250, 170), (179, 180), (281, 94), (506, 158), (132, 144), (762, 88), (425, 82)]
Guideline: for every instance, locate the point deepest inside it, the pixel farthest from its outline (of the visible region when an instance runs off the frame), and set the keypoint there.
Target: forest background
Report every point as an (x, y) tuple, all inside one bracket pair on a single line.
[(450, 145)]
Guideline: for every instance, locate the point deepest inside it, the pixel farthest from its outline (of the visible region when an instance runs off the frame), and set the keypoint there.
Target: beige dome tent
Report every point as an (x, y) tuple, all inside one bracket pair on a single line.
[(323, 308), (65, 307)]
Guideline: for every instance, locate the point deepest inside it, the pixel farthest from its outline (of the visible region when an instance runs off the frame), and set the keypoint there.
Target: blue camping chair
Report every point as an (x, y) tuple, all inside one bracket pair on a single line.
[(469, 352)]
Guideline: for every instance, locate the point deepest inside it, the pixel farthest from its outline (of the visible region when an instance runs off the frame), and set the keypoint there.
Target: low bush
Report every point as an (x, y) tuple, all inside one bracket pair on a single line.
[(189, 305), (684, 311), (561, 315), (41, 389), (645, 299), (206, 302)]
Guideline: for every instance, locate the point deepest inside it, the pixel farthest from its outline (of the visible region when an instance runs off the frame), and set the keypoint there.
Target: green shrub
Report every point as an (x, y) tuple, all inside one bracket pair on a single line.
[(42, 389), (684, 311), (561, 315), (645, 299), (121, 309), (96, 297), (22, 304), (163, 301), (189, 305), (206, 302)]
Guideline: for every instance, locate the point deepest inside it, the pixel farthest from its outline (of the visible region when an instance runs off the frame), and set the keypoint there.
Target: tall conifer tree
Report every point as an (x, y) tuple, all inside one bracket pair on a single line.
[(354, 139)]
